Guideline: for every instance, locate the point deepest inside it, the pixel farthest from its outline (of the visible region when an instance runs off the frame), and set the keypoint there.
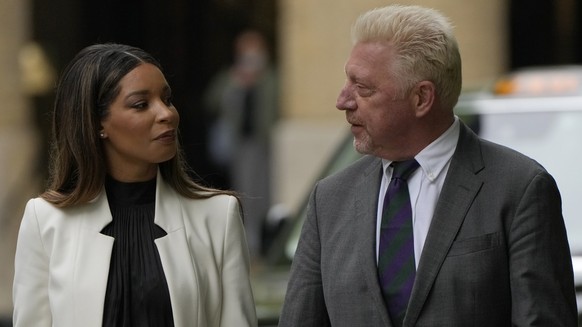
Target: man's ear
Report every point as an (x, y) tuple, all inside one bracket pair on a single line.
[(424, 97)]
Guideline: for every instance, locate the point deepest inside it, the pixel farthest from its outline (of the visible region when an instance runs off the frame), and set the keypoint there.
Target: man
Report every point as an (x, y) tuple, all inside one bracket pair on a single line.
[(478, 238)]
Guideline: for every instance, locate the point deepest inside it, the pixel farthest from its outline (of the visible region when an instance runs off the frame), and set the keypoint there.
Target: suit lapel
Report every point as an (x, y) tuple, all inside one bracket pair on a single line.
[(175, 253), (459, 190), (366, 203), (91, 267)]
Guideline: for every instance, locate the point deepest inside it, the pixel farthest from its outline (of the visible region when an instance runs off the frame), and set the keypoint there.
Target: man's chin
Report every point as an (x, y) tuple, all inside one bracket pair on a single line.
[(362, 147)]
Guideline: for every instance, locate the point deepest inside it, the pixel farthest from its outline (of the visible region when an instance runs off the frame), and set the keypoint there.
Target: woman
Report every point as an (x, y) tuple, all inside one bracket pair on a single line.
[(122, 236)]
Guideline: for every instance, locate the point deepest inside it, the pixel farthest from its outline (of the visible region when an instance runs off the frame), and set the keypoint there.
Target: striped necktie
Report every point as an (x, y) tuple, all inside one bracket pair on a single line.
[(396, 267)]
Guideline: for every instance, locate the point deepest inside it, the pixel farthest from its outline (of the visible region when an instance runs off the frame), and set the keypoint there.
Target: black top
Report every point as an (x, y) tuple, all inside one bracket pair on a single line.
[(137, 292)]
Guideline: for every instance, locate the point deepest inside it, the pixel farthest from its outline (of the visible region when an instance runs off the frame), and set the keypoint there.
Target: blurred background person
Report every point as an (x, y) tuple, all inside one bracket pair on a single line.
[(242, 103)]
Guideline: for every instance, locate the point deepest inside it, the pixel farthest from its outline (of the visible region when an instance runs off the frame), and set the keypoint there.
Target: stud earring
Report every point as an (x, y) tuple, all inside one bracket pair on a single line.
[(102, 135)]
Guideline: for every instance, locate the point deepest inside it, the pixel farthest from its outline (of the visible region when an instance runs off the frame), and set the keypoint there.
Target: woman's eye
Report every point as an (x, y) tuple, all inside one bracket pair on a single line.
[(140, 105), (168, 100)]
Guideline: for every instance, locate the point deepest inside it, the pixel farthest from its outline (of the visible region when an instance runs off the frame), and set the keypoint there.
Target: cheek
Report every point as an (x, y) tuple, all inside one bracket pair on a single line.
[(130, 125), (387, 123), (379, 118), (133, 129), (128, 134), (378, 127)]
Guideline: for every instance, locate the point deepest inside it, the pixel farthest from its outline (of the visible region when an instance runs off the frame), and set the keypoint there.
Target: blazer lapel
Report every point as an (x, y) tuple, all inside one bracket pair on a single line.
[(365, 206), (92, 262), (175, 253), (460, 188)]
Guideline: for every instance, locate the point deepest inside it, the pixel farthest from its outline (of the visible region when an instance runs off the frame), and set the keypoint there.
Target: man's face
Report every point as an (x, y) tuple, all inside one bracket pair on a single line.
[(376, 108)]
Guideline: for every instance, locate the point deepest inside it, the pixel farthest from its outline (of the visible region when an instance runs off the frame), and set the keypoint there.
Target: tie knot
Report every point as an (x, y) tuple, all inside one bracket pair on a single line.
[(403, 169)]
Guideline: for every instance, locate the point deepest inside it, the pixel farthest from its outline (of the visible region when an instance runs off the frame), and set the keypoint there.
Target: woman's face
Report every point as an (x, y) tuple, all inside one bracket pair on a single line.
[(139, 131)]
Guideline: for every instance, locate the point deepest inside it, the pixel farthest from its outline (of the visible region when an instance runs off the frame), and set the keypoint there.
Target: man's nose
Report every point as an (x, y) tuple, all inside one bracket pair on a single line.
[(345, 100)]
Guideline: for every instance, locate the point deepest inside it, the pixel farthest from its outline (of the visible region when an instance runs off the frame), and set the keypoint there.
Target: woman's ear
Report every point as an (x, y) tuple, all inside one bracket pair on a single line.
[(424, 97)]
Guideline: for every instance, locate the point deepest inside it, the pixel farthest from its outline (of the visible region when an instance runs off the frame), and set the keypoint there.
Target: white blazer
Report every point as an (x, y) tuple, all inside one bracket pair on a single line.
[(62, 262)]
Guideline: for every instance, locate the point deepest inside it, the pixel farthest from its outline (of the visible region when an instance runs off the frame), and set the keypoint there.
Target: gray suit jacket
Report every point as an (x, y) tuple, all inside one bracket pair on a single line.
[(496, 253)]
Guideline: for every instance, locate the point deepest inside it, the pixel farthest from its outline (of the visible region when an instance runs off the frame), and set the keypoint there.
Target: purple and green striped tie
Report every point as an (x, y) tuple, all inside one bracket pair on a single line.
[(396, 267)]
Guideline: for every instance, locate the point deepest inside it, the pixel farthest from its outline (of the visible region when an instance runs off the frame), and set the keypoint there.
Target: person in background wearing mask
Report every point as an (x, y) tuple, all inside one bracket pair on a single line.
[(242, 102)]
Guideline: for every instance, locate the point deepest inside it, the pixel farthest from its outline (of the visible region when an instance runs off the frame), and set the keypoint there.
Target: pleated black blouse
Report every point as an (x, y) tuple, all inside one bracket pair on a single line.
[(137, 292)]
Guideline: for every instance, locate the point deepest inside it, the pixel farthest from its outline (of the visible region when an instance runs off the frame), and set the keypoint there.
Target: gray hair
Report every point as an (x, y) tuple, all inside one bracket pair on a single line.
[(424, 43)]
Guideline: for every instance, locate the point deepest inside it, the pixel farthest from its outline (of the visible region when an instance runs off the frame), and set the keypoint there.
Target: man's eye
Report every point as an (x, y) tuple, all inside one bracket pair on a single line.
[(364, 91)]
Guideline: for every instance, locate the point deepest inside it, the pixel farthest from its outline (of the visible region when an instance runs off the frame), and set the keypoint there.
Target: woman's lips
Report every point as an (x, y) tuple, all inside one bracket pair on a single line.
[(167, 137)]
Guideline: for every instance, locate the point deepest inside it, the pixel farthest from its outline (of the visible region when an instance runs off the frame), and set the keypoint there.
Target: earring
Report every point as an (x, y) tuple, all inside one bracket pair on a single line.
[(102, 135)]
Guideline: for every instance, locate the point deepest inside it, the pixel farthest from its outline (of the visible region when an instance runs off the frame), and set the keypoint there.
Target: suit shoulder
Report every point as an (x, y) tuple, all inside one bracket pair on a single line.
[(216, 207), (40, 208), (500, 155), (42, 204), (352, 173), (216, 215), (218, 200)]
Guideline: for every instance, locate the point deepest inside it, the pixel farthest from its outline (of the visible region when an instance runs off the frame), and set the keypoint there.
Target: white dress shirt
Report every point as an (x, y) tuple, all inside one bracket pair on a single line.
[(424, 185)]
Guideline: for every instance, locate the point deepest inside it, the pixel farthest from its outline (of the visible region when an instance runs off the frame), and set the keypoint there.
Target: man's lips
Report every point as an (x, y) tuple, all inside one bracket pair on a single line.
[(354, 123), (356, 127), (352, 120)]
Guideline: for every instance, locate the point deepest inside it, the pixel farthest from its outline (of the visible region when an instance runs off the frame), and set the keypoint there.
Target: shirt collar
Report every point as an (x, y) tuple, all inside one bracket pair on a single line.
[(435, 157)]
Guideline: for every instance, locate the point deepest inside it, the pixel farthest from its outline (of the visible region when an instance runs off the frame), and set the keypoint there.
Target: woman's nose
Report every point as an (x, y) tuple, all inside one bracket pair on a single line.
[(167, 113)]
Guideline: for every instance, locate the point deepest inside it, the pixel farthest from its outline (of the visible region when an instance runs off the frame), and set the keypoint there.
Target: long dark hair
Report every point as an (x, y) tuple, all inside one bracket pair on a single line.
[(87, 87)]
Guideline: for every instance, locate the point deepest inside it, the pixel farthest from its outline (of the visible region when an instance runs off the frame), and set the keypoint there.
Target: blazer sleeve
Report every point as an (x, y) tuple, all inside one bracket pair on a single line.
[(304, 303), (540, 262), (238, 306), (31, 265)]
